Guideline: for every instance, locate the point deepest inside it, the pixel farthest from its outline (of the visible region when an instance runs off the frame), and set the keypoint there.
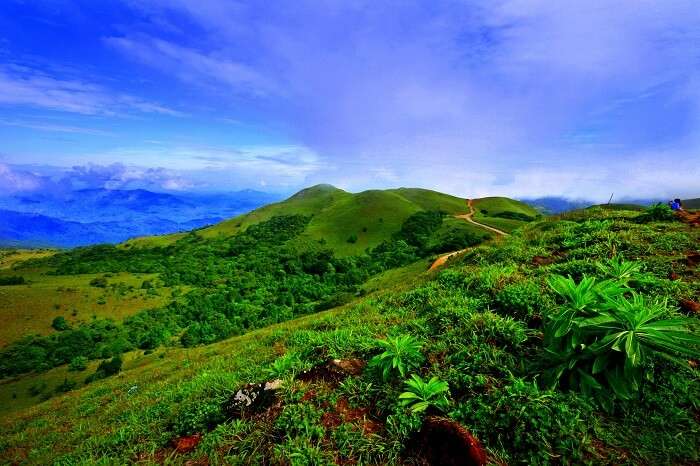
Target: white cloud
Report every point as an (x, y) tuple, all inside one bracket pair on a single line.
[(29, 87), (482, 96), (194, 66), (52, 127), (14, 181)]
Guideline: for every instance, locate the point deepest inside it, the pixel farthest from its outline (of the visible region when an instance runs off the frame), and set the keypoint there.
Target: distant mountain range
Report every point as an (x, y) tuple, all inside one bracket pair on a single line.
[(555, 205), (92, 216)]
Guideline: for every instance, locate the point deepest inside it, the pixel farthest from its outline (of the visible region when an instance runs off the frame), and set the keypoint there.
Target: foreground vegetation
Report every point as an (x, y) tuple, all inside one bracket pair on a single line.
[(571, 341)]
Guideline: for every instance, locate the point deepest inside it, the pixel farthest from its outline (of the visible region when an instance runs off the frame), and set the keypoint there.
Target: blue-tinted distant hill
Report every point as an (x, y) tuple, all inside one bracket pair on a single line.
[(556, 204), (91, 216), (20, 229), (97, 205)]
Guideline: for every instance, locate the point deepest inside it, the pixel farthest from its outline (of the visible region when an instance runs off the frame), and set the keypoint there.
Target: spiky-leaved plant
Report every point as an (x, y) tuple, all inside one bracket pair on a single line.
[(605, 337), (401, 354), (619, 269), (420, 395)]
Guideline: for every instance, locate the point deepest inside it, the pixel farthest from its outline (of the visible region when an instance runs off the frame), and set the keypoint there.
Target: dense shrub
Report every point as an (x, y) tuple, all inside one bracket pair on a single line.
[(78, 363), (106, 369), (522, 300), (656, 213), (514, 216), (12, 280), (59, 323), (99, 282), (527, 425)]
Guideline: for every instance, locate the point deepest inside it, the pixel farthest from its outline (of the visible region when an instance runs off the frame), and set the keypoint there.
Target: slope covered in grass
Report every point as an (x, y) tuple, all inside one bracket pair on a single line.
[(102, 301), (366, 218), (503, 213), (480, 325)]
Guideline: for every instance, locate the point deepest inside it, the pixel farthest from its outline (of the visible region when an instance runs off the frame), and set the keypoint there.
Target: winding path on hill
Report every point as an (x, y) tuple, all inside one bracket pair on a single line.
[(468, 217)]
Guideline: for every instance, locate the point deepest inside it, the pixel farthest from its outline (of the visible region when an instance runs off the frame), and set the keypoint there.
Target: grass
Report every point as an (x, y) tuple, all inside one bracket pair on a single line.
[(152, 241), (480, 324), (486, 208), (10, 257), (399, 277), (30, 309), (372, 216)]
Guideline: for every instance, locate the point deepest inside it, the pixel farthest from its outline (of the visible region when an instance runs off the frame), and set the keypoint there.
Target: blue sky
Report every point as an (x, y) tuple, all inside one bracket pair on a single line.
[(483, 97)]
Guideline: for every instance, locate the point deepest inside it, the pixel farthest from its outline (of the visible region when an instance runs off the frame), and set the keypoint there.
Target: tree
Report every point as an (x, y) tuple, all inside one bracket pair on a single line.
[(59, 323)]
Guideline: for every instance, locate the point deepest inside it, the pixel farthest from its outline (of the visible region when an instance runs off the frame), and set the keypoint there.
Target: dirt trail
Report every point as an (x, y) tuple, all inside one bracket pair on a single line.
[(692, 218), (468, 217)]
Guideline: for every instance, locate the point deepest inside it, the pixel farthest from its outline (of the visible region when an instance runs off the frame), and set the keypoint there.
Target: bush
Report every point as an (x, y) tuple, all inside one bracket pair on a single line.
[(602, 338), (106, 369), (421, 395), (656, 213), (66, 386), (401, 354), (99, 282), (13, 280), (352, 239), (36, 388), (521, 300), (59, 323), (197, 415), (528, 425), (78, 364), (514, 216)]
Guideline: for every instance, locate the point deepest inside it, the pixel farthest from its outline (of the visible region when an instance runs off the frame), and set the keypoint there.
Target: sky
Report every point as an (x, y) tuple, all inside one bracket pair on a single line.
[(522, 98)]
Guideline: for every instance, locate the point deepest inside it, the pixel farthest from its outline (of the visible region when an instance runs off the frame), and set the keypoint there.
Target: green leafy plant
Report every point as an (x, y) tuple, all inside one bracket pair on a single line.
[(601, 337), (421, 395), (619, 269), (579, 299), (656, 213), (282, 366), (401, 354)]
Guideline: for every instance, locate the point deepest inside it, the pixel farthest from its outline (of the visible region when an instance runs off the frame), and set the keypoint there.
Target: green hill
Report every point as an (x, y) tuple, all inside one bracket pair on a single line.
[(369, 216), (503, 213), (486, 327), (692, 203)]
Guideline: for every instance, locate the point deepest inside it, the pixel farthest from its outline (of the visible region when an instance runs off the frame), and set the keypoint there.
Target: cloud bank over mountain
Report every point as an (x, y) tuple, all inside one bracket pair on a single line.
[(513, 97)]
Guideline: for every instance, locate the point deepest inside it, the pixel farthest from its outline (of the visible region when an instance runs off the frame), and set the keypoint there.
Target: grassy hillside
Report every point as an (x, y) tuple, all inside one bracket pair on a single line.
[(692, 203), (370, 216), (503, 213), (103, 301), (484, 325), (29, 308)]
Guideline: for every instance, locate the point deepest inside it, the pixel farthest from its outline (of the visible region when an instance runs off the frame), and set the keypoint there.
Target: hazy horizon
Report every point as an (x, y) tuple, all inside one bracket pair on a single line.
[(518, 98)]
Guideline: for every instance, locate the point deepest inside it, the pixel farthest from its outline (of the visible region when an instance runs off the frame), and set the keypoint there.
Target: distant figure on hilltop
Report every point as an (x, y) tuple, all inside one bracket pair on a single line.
[(675, 204)]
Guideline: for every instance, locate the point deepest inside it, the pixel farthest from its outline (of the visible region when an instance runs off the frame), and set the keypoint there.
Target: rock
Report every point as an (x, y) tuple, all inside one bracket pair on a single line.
[(445, 442), (274, 385), (349, 366), (252, 399)]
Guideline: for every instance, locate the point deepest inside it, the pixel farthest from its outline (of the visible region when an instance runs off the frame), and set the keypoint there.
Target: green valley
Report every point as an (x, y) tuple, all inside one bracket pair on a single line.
[(311, 331)]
